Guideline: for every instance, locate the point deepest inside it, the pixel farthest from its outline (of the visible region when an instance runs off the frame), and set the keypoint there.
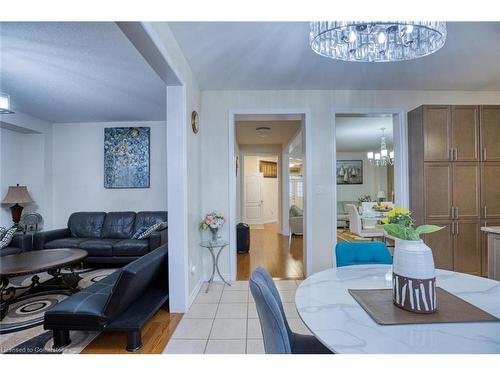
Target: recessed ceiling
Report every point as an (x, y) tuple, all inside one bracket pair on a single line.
[(362, 134), (280, 132), (276, 55), (77, 72)]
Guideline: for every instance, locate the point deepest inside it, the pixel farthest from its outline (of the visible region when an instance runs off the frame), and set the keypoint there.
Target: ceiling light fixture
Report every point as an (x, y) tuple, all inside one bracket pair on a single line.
[(378, 41), (384, 157), (263, 131), (5, 104)]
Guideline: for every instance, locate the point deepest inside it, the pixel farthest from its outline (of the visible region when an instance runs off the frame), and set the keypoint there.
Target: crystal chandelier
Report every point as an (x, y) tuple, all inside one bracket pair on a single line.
[(5, 104), (378, 41), (384, 157)]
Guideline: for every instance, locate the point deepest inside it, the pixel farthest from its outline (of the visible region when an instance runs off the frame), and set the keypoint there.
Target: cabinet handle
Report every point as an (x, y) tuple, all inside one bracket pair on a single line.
[(455, 154), (484, 211), (457, 227), (452, 228), (484, 153), (450, 154), (456, 212)]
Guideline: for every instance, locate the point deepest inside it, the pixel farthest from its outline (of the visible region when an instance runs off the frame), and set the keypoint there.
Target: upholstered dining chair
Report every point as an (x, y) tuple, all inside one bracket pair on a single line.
[(355, 225), (278, 337), (353, 253)]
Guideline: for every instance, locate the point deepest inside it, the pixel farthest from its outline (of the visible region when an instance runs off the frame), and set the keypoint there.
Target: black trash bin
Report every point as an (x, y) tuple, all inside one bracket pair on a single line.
[(243, 238)]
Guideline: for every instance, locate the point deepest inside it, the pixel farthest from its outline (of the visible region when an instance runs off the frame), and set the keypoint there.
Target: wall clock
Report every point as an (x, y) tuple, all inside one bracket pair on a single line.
[(195, 122)]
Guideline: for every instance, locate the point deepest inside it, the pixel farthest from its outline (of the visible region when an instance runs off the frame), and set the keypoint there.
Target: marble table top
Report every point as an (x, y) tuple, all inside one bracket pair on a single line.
[(494, 230), (340, 323)]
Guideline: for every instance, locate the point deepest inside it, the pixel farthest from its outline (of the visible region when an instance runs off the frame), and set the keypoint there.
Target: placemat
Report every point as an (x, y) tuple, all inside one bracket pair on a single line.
[(451, 309)]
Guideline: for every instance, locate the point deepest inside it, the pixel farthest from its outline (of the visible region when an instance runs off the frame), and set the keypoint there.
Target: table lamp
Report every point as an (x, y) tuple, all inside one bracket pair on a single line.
[(17, 195), (381, 195)]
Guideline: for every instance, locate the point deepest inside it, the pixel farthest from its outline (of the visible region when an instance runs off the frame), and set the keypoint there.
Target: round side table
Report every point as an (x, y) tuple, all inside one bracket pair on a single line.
[(212, 247)]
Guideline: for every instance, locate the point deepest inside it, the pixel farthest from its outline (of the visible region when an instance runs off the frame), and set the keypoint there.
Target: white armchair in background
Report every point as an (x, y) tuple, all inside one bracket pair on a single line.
[(296, 220), (356, 227)]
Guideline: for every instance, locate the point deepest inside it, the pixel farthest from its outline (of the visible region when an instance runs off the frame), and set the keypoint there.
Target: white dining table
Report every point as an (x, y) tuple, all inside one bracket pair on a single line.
[(340, 323)]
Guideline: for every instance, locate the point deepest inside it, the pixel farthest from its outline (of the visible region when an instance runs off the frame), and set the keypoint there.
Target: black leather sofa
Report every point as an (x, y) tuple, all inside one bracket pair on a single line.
[(123, 301), (107, 237), (20, 242)]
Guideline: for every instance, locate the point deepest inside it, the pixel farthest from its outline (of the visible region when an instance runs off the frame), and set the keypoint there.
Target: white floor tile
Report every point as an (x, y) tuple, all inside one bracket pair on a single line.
[(285, 284), (287, 295), (216, 285), (252, 311), (254, 330), (226, 347), (237, 285), (236, 296), (232, 311), (299, 282), (193, 329), (213, 296), (185, 347), (229, 329), (297, 326), (201, 310), (290, 310), (255, 346)]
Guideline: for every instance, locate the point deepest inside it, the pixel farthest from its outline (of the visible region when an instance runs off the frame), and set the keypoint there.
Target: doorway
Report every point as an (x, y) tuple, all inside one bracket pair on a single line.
[(262, 200)]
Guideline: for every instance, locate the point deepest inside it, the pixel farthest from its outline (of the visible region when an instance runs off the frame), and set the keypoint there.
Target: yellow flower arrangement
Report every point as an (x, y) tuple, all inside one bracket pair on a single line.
[(399, 224)]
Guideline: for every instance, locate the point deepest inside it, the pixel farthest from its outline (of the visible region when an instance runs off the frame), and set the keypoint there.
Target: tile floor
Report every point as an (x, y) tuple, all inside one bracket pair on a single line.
[(225, 321)]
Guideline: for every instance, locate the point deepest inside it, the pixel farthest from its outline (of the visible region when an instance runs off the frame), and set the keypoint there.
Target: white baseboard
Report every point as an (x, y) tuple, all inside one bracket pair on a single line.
[(269, 221), (195, 292)]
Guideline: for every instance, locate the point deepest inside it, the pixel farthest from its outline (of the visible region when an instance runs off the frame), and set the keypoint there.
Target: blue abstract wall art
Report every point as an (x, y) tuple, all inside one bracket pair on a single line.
[(126, 158)]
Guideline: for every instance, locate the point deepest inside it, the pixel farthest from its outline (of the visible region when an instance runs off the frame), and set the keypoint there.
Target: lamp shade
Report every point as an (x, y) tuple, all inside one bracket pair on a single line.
[(17, 194)]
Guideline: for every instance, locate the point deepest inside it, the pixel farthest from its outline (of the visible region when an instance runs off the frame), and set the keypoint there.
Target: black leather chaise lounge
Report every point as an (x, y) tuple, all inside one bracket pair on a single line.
[(123, 301), (107, 237)]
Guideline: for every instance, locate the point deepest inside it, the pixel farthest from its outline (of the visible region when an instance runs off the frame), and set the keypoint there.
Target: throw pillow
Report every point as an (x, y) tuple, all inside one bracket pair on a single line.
[(7, 237), (143, 233), (2, 232), (296, 211)]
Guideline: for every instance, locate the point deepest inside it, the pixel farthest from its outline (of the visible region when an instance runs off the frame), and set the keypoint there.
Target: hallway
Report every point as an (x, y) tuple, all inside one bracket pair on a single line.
[(270, 250)]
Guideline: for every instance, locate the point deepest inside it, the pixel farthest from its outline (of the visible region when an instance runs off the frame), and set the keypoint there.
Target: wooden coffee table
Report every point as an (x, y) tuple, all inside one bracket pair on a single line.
[(34, 262)]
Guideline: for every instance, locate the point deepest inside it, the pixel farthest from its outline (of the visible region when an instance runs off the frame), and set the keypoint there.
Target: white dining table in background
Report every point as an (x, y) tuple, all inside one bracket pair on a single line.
[(340, 323)]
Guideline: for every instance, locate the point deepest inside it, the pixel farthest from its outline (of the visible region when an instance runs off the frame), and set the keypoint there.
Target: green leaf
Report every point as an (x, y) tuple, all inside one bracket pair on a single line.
[(427, 228), (395, 230)]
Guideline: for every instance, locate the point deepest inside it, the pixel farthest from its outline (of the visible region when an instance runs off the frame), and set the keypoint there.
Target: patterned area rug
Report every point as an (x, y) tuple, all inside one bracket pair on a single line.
[(344, 235), (24, 320)]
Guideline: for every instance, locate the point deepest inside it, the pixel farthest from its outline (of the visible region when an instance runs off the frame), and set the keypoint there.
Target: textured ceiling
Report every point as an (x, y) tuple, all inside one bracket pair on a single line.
[(355, 134), (77, 72), (281, 132), (276, 55)]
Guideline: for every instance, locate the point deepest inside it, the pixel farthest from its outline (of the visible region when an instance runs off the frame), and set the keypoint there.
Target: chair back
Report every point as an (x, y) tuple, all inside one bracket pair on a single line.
[(353, 253), (354, 219), (275, 329), (367, 207)]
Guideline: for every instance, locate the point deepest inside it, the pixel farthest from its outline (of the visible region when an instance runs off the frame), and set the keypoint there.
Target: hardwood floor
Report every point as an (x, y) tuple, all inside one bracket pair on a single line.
[(155, 336), (270, 250)]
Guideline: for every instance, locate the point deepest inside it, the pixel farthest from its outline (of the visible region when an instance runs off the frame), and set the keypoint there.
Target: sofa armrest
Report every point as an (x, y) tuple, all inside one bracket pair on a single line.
[(297, 224), (157, 239), (41, 238), (22, 241)]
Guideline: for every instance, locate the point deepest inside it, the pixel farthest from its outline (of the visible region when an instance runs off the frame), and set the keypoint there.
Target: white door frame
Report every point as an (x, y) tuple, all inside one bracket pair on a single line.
[(400, 134), (306, 113)]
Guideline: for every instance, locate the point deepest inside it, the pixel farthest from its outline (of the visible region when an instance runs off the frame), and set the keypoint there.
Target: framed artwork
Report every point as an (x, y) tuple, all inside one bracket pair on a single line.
[(126, 157), (268, 168), (349, 172)]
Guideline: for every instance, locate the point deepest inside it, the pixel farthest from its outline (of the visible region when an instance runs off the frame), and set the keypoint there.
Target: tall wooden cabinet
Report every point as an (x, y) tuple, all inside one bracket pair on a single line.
[(454, 160)]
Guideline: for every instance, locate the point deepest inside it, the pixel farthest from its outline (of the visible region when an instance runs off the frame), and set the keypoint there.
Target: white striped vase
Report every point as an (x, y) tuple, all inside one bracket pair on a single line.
[(413, 278)]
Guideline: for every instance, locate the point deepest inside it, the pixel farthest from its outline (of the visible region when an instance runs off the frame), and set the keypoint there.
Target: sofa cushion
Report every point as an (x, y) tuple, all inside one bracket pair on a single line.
[(85, 308), (99, 247), (9, 251), (65, 243), (134, 279), (118, 225), (86, 224), (131, 247), (145, 219)]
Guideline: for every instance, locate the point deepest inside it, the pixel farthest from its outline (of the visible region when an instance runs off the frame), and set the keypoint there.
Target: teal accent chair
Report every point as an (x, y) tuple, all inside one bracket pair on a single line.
[(353, 253)]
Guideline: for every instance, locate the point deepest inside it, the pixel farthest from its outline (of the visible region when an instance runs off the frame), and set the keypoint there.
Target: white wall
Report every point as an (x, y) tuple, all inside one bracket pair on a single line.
[(374, 179), (78, 171), (215, 109), (270, 187)]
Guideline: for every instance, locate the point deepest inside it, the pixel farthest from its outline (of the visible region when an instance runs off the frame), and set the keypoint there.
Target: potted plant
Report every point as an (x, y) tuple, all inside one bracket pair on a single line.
[(413, 275), (213, 221)]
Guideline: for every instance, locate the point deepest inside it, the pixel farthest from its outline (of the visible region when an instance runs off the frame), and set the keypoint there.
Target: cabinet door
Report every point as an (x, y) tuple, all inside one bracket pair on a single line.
[(484, 246), (490, 132), (467, 247), (437, 133), (465, 133), (490, 190), (441, 243), (438, 190), (466, 190)]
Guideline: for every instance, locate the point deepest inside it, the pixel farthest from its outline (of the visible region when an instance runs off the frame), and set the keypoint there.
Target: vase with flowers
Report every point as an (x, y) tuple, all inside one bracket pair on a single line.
[(214, 222), (413, 273)]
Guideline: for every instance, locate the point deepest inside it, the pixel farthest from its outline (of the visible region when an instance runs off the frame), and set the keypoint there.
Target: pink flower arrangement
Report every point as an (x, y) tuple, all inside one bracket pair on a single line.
[(212, 220)]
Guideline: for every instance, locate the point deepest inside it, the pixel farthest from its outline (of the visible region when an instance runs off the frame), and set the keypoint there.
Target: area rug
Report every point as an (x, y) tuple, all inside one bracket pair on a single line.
[(24, 320)]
